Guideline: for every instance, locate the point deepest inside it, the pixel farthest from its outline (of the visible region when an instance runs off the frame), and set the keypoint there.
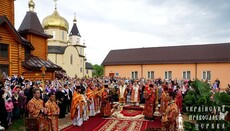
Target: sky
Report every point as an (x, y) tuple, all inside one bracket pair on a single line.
[(120, 24)]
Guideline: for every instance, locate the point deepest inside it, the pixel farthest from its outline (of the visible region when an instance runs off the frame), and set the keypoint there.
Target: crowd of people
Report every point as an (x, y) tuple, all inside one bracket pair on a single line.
[(87, 97)]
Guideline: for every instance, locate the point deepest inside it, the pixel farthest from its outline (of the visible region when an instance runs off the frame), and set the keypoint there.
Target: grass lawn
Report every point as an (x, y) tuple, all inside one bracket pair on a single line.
[(18, 125)]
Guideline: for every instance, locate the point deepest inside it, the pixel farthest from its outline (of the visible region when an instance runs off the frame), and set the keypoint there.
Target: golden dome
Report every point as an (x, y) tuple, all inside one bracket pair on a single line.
[(55, 21)]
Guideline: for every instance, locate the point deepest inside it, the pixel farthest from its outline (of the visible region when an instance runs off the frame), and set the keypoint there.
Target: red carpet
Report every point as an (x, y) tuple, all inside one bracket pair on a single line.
[(131, 107), (89, 125), (131, 112), (97, 123), (122, 125), (154, 124)]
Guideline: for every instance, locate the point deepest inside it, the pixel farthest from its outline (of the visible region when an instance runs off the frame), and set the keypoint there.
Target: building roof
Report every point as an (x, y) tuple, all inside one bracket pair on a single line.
[(56, 49), (75, 31), (31, 24), (209, 53), (17, 37), (35, 63), (88, 66)]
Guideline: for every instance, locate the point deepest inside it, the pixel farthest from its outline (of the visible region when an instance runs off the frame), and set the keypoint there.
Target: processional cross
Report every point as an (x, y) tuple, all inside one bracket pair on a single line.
[(43, 69)]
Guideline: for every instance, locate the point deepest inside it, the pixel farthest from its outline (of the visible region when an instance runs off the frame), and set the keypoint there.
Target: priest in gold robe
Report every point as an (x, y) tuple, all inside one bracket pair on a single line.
[(171, 113), (52, 111), (122, 93), (135, 96), (77, 107)]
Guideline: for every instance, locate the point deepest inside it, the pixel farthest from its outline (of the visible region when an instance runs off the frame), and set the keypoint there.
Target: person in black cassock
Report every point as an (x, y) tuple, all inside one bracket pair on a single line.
[(60, 96), (3, 112)]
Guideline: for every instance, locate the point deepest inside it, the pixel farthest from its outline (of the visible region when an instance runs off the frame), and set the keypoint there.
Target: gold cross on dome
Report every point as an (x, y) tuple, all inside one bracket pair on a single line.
[(43, 69)]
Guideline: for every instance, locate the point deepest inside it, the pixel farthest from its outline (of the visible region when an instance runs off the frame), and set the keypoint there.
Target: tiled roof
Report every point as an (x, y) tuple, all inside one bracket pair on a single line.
[(56, 49), (210, 53), (31, 24), (88, 66), (34, 63)]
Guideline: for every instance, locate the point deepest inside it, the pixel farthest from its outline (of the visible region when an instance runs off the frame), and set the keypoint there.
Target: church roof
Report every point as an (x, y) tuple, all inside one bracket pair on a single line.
[(88, 66), (209, 53), (56, 49), (75, 31), (31, 24), (34, 63), (17, 37)]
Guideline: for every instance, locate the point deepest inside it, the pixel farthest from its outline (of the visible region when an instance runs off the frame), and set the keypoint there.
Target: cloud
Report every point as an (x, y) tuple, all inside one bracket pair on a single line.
[(117, 24)]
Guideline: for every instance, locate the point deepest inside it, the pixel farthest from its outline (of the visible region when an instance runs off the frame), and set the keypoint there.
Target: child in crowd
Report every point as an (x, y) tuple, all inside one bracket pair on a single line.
[(9, 108)]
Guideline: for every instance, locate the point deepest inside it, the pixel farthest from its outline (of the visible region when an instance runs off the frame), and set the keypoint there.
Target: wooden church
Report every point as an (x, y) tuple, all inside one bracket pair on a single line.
[(24, 52)]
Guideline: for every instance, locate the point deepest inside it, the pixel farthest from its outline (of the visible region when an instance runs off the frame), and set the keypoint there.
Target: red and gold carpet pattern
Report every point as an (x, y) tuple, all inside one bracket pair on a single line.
[(131, 112), (122, 125), (131, 107)]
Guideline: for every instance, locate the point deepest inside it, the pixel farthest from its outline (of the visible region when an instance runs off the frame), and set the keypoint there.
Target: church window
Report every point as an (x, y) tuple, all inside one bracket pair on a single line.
[(81, 69), (80, 50), (78, 40), (4, 50), (87, 71), (63, 35), (71, 59)]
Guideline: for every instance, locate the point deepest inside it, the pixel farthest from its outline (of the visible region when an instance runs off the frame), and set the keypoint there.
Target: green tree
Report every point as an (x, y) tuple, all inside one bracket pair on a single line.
[(98, 70), (200, 96)]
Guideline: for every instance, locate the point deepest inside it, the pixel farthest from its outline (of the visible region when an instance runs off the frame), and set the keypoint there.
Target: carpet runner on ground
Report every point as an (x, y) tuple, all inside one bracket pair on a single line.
[(122, 125), (133, 121), (131, 107)]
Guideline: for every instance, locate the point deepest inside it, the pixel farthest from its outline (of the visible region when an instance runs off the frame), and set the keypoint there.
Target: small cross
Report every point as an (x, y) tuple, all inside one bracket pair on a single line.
[(55, 1), (43, 69)]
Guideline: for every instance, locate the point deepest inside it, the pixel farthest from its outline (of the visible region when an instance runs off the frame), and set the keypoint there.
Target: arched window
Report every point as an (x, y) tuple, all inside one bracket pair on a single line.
[(63, 35), (71, 59), (81, 51)]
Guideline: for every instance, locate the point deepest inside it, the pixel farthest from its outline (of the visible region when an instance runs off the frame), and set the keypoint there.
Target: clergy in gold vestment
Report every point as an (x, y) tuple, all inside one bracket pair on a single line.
[(91, 106), (149, 102), (135, 96), (36, 112), (76, 112), (164, 99), (106, 107), (52, 111), (122, 92), (36, 106), (97, 100), (171, 113)]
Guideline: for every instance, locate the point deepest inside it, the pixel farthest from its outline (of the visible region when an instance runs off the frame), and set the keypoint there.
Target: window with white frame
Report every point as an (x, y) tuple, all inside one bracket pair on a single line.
[(206, 75), (186, 75), (168, 75), (150, 74), (134, 75)]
